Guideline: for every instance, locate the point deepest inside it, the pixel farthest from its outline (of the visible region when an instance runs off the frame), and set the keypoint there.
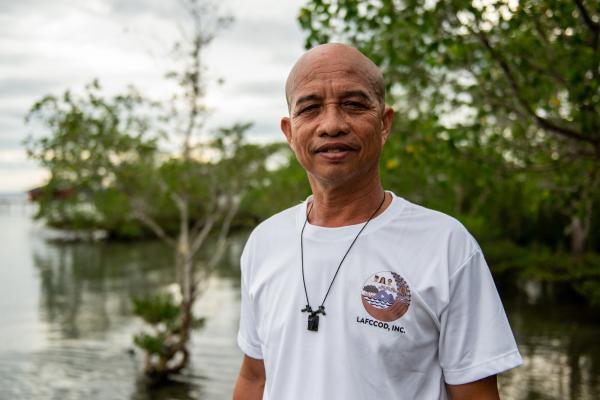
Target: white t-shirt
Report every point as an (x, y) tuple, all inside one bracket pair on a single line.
[(414, 305)]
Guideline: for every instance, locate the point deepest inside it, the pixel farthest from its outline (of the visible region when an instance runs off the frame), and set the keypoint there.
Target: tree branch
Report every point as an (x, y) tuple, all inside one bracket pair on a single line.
[(542, 122), (549, 51), (154, 227), (200, 237), (232, 208), (178, 201), (594, 26), (201, 223)]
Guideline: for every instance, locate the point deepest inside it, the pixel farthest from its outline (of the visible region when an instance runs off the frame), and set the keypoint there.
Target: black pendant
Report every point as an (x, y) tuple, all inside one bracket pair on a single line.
[(313, 317), (313, 322)]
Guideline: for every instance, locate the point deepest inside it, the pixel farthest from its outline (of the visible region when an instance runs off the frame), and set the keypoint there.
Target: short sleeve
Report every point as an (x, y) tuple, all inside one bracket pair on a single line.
[(247, 337), (475, 337)]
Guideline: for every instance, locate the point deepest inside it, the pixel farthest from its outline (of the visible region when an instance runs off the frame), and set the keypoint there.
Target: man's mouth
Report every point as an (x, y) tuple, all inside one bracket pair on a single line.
[(334, 148), (335, 152)]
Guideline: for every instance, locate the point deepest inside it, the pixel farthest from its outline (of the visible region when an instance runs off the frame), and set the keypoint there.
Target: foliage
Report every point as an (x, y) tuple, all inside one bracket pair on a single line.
[(163, 314), (157, 309), (282, 185), (498, 106), (498, 120), (111, 168), (106, 153), (104, 162), (153, 344), (95, 141), (510, 262)]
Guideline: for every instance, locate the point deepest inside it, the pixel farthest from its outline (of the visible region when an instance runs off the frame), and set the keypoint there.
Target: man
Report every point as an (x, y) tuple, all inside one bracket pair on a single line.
[(357, 293)]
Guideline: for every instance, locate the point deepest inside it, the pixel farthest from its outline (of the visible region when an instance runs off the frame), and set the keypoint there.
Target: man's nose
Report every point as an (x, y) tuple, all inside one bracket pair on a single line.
[(333, 122)]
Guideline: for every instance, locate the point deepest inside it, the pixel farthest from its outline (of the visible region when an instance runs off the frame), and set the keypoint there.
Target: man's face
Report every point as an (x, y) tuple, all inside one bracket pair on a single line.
[(337, 126)]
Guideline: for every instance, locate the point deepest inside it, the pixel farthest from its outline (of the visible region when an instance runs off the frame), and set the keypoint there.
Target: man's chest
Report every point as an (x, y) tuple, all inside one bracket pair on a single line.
[(374, 311)]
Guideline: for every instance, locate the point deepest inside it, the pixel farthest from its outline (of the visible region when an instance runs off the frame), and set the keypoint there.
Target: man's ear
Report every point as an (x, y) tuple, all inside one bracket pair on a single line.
[(386, 119), (286, 128)]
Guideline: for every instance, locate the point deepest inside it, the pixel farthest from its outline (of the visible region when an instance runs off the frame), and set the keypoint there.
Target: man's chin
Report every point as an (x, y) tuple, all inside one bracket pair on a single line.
[(335, 175), (335, 156)]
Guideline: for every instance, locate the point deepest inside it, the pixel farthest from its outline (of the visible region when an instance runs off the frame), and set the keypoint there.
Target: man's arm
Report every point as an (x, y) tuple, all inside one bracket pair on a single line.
[(483, 389), (251, 380)]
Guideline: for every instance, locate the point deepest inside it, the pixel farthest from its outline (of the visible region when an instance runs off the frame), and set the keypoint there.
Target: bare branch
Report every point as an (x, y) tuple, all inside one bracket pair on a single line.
[(232, 208), (201, 222), (162, 185), (201, 283), (179, 202), (198, 239), (150, 223)]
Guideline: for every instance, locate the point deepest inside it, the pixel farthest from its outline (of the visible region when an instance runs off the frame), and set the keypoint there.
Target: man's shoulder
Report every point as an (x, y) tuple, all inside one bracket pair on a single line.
[(278, 224), (431, 219), (436, 219), (435, 229)]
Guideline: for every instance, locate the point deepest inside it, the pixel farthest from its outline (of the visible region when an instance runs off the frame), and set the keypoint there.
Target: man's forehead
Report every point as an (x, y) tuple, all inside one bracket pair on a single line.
[(330, 66), (318, 94), (341, 83)]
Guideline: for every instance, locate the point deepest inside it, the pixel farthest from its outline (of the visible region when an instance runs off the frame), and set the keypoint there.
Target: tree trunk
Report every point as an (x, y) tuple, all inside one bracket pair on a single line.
[(579, 227), (186, 287), (582, 210), (578, 235)]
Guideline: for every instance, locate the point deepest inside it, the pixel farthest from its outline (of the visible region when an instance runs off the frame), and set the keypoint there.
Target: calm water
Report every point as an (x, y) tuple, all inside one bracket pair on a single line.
[(66, 325)]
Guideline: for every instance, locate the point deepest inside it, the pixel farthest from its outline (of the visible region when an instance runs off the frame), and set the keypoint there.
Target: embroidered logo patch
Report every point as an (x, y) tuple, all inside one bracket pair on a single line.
[(386, 296)]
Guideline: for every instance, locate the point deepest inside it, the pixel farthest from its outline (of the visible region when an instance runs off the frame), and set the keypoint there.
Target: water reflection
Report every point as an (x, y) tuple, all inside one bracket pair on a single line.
[(86, 291), (82, 322), (76, 297), (86, 288), (175, 390), (561, 350)]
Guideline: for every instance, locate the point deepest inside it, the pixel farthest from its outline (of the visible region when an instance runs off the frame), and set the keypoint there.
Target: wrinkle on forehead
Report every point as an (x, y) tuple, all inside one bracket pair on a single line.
[(329, 59)]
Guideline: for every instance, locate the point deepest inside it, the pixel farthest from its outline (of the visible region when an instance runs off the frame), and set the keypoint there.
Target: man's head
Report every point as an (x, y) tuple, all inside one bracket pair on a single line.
[(348, 56), (338, 121)]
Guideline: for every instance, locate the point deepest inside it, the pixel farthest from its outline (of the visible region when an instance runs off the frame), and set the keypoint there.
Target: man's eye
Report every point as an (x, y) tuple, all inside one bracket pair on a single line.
[(355, 105), (308, 108)]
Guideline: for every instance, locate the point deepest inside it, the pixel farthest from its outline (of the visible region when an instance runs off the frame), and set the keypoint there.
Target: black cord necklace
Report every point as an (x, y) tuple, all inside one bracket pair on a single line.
[(313, 316)]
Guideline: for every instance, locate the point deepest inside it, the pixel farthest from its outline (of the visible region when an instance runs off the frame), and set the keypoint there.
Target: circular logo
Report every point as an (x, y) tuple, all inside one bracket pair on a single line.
[(386, 296)]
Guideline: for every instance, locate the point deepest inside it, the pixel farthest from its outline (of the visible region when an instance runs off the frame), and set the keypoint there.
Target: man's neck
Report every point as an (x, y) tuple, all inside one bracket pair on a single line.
[(343, 205)]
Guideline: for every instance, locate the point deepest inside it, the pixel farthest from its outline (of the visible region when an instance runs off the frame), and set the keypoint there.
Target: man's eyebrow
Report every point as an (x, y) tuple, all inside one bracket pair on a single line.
[(350, 93), (356, 93), (307, 98)]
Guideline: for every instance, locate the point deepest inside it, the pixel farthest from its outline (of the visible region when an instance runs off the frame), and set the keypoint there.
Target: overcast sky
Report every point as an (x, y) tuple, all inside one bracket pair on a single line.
[(49, 46)]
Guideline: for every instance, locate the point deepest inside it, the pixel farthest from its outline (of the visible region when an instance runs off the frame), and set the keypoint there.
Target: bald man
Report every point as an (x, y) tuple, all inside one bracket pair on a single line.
[(356, 293)]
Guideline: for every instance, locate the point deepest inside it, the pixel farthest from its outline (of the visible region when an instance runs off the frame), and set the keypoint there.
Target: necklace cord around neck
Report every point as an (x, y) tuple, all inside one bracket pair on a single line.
[(343, 258)]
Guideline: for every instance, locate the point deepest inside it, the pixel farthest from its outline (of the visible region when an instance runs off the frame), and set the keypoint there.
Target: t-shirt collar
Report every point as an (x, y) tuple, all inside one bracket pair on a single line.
[(349, 231)]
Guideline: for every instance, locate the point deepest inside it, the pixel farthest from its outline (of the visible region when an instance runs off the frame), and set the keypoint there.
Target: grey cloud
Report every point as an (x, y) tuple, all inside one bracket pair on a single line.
[(17, 7), (12, 117), (12, 138), (17, 57), (269, 34), (13, 127), (259, 88), (128, 8), (49, 9), (17, 166), (132, 8), (266, 129), (11, 142), (25, 87), (263, 29)]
